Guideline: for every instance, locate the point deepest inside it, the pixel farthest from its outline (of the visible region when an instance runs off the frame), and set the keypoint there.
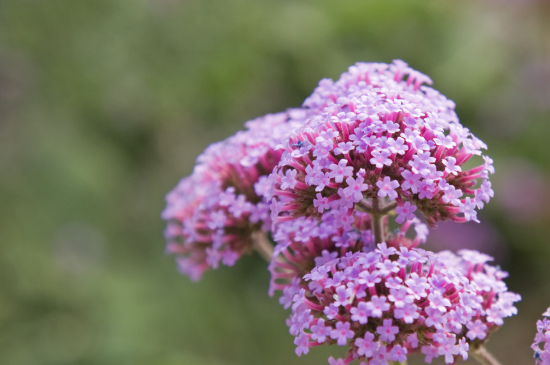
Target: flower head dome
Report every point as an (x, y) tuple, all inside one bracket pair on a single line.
[(213, 214), (386, 304), (377, 134)]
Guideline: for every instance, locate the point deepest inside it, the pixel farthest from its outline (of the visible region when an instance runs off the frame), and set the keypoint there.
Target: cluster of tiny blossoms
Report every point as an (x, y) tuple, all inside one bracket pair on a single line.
[(388, 303), (304, 243), (542, 355), (213, 214), (378, 136)]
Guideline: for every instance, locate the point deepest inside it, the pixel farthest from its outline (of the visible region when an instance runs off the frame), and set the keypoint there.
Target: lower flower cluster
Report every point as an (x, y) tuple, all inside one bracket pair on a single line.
[(388, 303), (305, 243)]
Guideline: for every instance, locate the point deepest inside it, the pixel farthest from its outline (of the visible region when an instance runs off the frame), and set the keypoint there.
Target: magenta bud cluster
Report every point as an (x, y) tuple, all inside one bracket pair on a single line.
[(213, 214), (378, 133), (388, 303)]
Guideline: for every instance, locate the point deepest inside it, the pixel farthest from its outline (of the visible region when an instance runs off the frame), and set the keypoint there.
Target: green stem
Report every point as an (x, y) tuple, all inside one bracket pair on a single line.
[(484, 357), (363, 206), (262, 245), (377, 212), (388, 207), (377, 227)]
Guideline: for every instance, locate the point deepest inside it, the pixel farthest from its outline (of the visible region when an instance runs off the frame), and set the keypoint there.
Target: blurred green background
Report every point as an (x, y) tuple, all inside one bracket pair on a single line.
[(105, 104)]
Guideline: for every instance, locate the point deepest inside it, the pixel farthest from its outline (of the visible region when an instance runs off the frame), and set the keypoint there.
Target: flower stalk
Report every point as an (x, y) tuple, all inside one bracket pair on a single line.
[(377, 212), (484, 357), (262, 245), (377, 227)]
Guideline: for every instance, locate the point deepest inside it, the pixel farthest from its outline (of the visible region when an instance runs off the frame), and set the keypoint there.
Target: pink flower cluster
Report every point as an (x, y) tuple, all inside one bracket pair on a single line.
[(542, 338), (386, 304), (213, 214), (375, 135), (305, 243)]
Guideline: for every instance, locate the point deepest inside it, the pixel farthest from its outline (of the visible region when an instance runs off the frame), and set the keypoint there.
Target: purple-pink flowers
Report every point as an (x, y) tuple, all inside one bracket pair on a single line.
[(388, 303), (380, 134), (304, 243), (323, 181), (213, 214), (541, 346)]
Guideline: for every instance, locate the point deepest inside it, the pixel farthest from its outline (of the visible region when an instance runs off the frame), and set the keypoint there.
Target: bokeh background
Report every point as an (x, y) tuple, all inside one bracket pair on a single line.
[(105, 104)]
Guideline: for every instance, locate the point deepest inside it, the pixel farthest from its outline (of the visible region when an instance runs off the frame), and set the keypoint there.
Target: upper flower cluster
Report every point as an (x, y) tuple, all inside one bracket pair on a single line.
[(389, 303), (213, 213), (542, 355), (374, 135)]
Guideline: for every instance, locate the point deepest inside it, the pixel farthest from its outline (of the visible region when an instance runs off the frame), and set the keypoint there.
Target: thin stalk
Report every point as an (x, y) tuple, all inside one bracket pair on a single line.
[(363, 206), (377, 227), (388, 207), (484, 357), (262, 245), (377, 211)]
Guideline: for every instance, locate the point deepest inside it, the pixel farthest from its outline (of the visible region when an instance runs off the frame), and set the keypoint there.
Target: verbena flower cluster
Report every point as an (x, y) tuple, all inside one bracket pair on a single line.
[(323, 180), (541, 346), (379, 136), (213, 214), (388, 303)]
